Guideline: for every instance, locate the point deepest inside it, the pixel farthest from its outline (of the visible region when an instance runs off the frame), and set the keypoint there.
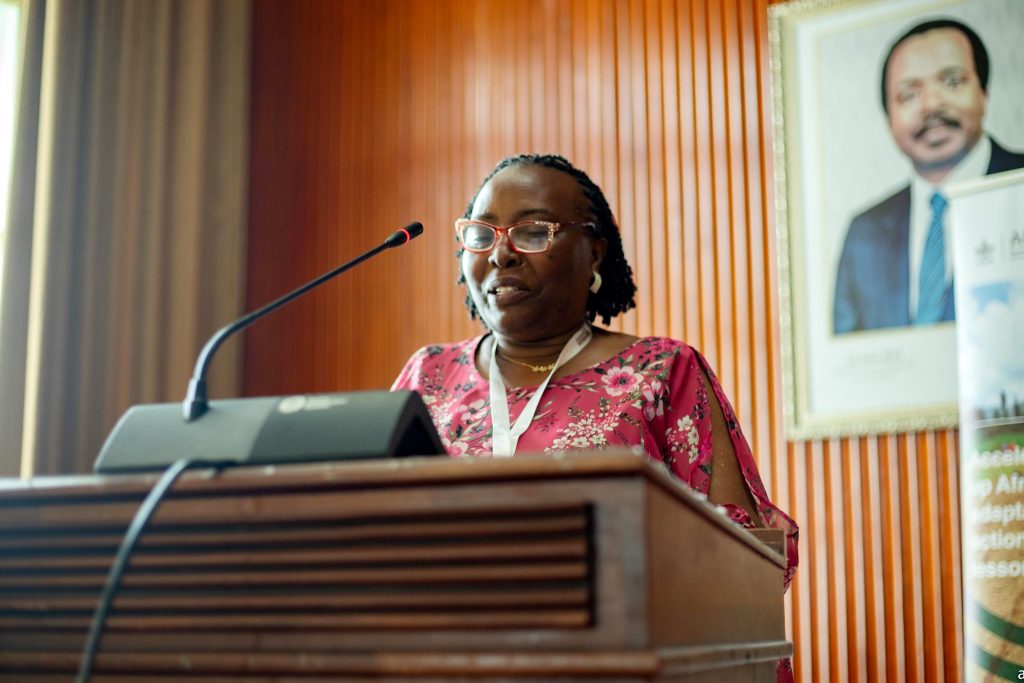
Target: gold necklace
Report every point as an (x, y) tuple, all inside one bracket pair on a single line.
[(536, 368)]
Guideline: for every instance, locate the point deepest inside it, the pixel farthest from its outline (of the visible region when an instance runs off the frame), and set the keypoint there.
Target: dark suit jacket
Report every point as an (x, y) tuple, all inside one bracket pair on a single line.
[(873, 279)]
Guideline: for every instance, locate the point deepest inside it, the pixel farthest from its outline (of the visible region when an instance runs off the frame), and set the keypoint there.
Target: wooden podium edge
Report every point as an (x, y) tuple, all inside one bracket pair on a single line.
[(397, 473), (643, 663)]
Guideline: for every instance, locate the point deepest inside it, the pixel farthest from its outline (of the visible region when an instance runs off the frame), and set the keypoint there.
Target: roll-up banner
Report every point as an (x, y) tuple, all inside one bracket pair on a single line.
[(987, 223)]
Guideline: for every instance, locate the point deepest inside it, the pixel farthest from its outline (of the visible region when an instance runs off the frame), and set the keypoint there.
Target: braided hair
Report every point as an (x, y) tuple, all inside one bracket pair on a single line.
[(618, 292)]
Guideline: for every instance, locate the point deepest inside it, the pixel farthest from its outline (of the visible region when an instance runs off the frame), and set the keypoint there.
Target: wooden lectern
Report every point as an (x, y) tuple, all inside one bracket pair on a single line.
[(585, 567)]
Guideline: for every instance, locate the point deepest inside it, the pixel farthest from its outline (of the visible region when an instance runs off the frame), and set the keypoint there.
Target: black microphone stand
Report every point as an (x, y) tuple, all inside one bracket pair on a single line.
[(194, 405)]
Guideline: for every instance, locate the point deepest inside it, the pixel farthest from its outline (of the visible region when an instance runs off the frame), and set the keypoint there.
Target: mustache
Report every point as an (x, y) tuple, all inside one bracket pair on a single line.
[(936, 119)]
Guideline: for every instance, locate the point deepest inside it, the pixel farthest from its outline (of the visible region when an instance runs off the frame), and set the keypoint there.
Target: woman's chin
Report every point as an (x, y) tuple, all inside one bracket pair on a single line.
[(519, 330), (509, 324)]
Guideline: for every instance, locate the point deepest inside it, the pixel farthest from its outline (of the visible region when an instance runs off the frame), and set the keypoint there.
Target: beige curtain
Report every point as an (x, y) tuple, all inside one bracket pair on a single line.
[(126, 245)]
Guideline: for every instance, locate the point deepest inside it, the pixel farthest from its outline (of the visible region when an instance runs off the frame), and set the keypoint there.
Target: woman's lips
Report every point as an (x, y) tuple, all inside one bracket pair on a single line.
[(507, 295)]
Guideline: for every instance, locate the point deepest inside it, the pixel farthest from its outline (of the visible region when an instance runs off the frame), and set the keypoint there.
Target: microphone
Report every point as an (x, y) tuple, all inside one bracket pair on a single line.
[(194, 405), (403, 235)]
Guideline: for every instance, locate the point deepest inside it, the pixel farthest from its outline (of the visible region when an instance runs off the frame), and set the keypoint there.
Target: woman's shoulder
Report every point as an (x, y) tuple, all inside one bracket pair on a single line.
[(664, 344), (655, 356), (658, 347)]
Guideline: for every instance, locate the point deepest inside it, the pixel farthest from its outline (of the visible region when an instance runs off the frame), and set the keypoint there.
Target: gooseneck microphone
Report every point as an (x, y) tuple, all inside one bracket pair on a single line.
[(194, 405)]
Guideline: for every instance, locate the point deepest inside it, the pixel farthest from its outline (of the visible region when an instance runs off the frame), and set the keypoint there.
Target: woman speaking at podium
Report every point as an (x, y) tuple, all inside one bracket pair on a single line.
[(541, 258)]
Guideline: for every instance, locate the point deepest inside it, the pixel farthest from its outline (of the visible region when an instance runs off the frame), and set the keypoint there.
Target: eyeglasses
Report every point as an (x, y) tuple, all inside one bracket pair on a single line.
[(526, 237)]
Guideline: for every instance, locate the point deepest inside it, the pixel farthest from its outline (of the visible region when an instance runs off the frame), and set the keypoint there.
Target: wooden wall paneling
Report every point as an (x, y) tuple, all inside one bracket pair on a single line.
[(656, 223), (766, 340), (931, 614), (322, 202), (760, 253), (646, 111), (450, 125), (462, 185), (747, 244), (572, 39), (719, 294), (350, 103), (584, 37), (584, 41), (950, 554), (367, 115), (759, 423), (747, 197), (836, 550), (426, 100), (646, 243), (569, 50), (391, 92), (342, 90), (481, 157), (705, 82), (946, 536), (327, 179), (889, 465), (487, 105), (417, 126), (815, 564), (852, 567), (611, 120), (723, 125), (363, 192), (910, 523), (689, 260), (672, 258), (799, 593), (874, 554), (541, 46), (871, 569), (310, 195), (516, 23), (626, 95), (403, 152), (266, 171), (502, 23)]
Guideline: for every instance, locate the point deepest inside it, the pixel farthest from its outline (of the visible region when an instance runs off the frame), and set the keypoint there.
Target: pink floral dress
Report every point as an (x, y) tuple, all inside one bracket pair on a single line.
[(651, 394)]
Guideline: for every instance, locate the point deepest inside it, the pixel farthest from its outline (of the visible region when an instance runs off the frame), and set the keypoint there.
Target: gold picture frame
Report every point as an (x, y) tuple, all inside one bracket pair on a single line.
[(834, 158)]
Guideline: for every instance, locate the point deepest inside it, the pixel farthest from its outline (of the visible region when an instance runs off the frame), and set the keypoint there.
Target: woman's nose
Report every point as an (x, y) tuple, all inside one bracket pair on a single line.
[(502, 254)]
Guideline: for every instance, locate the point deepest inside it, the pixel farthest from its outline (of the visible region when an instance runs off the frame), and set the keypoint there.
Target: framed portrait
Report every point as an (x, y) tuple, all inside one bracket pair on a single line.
[(877, 105)]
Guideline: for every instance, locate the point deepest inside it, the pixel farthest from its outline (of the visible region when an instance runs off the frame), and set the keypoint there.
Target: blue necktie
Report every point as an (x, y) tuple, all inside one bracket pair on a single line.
[(932, 290)]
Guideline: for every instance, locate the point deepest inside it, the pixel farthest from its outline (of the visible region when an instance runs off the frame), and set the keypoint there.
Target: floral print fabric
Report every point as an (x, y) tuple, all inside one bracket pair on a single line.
[(651, 395)]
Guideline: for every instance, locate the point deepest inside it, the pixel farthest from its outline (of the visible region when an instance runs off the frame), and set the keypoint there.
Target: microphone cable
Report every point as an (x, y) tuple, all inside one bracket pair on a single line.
[(131, 537)]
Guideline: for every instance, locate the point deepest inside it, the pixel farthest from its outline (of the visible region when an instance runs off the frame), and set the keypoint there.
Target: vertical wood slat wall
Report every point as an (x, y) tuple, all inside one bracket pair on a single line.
[(367, 115)]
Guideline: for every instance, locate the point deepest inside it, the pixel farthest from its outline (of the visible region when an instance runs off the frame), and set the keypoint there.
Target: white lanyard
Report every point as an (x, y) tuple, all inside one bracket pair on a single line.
[(506, 437)]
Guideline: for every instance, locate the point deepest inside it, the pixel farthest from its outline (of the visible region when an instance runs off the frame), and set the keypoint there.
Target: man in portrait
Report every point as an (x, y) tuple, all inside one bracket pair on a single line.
[(895, 269)]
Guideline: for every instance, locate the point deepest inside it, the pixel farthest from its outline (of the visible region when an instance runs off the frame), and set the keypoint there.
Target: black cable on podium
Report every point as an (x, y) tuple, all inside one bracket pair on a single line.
[(131, 537)]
